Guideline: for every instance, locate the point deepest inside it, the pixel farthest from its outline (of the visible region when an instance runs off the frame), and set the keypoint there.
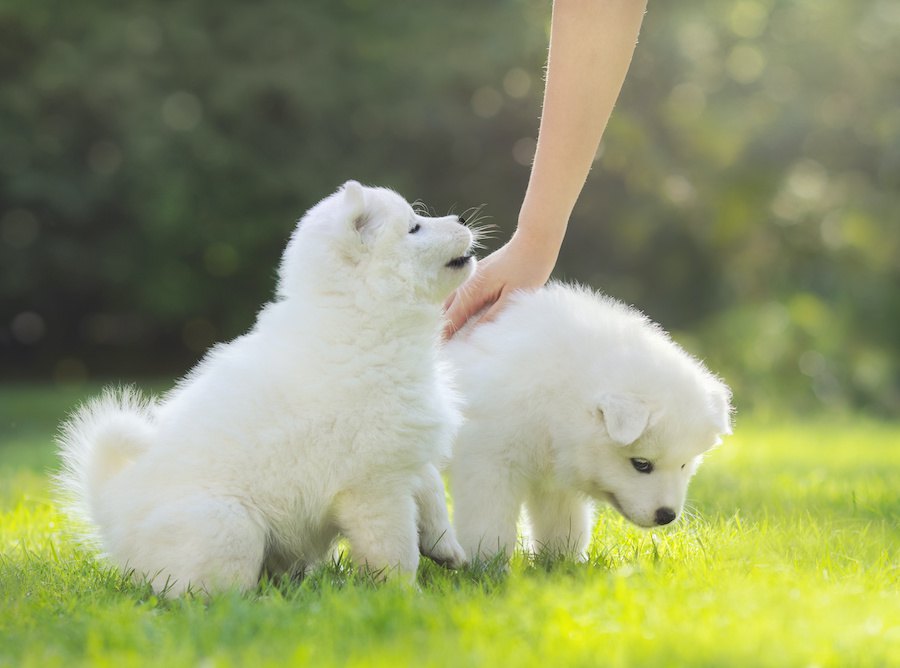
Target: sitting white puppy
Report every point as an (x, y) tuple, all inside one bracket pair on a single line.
[(327, 418), (572, 397)]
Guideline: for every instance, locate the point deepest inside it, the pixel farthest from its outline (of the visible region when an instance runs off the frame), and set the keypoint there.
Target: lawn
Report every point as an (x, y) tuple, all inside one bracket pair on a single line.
[(789, 558)]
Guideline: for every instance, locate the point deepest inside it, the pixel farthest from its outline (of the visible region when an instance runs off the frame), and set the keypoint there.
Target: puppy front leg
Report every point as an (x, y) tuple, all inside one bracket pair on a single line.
[(437, 539), (485, 508), (561, 522), (381, 528)]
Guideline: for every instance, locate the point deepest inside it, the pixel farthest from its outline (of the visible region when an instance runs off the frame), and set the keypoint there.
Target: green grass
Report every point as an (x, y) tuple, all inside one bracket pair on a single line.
[(790, 559)]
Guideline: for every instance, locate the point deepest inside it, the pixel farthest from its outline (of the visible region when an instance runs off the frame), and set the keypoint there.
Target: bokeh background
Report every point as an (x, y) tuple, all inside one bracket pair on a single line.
[(155, 156)]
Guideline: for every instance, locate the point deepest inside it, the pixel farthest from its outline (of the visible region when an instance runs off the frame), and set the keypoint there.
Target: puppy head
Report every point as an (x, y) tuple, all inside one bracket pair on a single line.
[(371, 239), (649, 446)]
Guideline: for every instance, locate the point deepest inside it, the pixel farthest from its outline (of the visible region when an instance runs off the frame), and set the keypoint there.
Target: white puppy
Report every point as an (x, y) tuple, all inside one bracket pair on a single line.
[(327, 418), (573, 396)]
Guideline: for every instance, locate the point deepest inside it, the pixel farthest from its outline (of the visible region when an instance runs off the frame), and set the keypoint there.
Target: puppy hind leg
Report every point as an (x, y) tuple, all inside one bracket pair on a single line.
[(437, 539), (560, 522), (200, 542)]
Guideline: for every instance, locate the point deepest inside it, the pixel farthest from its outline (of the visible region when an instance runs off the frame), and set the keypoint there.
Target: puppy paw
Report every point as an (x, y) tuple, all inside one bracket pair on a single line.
[(443, 549)]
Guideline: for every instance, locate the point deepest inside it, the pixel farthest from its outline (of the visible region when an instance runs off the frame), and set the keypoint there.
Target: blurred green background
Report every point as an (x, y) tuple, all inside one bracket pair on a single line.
[(155, 156)]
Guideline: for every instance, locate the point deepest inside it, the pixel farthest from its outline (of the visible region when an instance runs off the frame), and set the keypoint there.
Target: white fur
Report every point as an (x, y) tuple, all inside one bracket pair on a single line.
[(327, 418), (562, 390)]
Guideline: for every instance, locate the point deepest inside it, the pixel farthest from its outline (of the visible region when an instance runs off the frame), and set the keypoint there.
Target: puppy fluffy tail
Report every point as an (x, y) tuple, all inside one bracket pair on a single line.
[(97, 442)]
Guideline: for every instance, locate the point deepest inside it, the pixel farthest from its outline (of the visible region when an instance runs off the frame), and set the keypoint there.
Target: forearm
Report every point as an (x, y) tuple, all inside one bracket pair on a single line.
[(591, 45)]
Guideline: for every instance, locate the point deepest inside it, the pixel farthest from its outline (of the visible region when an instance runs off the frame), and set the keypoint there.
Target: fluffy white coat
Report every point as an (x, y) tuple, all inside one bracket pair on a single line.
[(569, 394), (326, 419)]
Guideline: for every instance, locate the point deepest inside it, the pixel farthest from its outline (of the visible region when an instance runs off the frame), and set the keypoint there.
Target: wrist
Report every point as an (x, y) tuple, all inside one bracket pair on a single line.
[(541, 239), (536, 251), (543, 220)]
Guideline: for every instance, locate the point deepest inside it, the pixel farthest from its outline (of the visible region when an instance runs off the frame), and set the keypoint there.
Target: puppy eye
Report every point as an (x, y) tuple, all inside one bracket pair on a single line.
[(415, 228), (642, 465)]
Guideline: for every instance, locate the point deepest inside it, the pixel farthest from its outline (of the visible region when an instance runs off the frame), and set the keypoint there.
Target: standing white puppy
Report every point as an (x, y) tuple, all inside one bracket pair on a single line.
[(327, 418), (571, 397)]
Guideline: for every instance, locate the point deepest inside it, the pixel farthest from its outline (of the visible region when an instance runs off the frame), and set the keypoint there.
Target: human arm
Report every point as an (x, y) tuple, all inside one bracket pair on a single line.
[(591, 45)]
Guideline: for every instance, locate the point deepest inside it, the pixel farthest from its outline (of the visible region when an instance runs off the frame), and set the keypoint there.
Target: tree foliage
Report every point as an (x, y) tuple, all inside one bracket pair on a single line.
[(153, 159)]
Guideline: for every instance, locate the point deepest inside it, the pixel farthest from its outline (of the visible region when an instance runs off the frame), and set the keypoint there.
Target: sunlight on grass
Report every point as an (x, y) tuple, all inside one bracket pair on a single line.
[(788, 557)]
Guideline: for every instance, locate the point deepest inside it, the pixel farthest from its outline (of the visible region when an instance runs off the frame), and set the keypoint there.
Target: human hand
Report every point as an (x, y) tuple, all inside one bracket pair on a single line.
[(522, 264)]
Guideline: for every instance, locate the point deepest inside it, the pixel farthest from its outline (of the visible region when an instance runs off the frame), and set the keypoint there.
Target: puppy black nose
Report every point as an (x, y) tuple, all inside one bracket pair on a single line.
[(664, 515)]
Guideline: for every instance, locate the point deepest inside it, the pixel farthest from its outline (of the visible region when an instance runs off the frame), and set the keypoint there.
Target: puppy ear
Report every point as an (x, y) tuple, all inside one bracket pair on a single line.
[(354, 201), (720, 408), (626, 417)]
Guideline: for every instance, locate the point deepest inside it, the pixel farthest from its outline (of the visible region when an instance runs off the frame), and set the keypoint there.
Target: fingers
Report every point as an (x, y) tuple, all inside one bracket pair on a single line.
[(450, 300), (462, 306), (495, 310), (498, 275)]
